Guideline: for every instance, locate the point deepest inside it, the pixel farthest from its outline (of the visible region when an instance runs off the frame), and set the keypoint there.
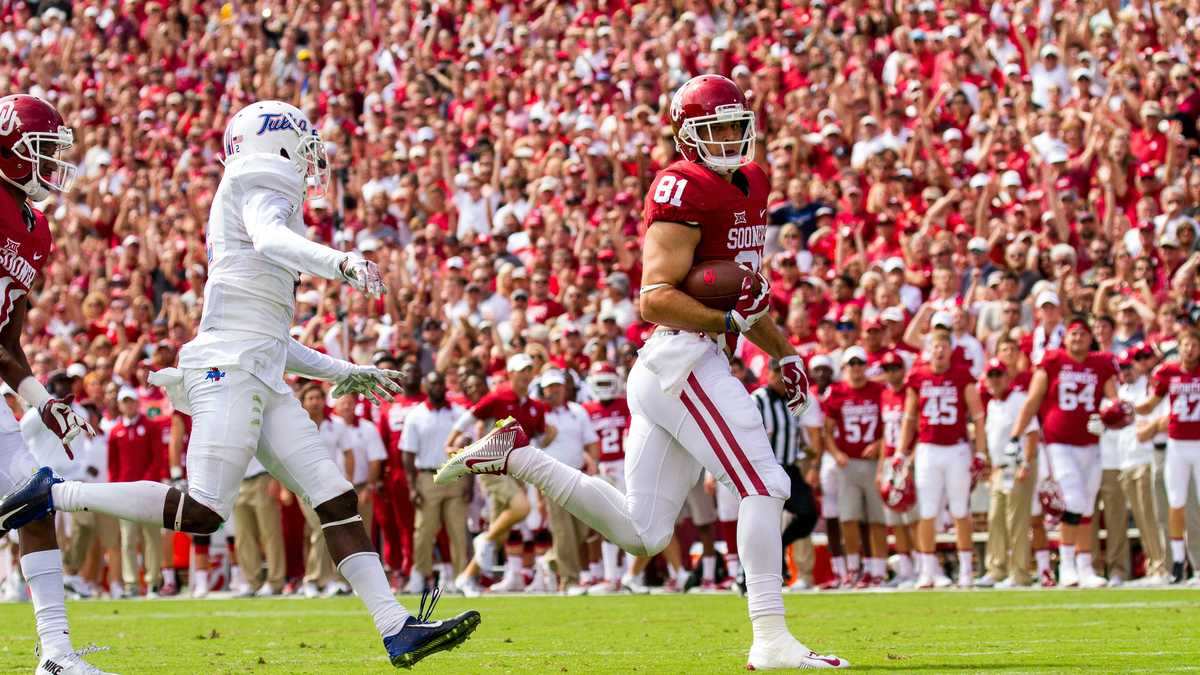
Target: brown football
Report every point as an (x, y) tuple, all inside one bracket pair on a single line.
[(717, 283)]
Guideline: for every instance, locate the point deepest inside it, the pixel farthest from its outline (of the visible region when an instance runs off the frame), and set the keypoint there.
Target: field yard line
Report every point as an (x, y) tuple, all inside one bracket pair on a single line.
[(1137, 604)]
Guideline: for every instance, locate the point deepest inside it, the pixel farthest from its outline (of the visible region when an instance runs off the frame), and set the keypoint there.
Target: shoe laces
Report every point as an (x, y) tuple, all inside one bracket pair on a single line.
[(76, 657), (424, 614)]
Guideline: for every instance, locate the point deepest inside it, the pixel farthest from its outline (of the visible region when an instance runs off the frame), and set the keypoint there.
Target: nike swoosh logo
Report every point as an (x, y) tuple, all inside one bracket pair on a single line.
[(472, 461), (4, 518), (37, 256)]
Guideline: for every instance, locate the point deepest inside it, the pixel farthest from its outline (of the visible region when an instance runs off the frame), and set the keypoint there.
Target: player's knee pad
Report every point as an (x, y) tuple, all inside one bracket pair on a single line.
[(340, 510), (1071, 518)]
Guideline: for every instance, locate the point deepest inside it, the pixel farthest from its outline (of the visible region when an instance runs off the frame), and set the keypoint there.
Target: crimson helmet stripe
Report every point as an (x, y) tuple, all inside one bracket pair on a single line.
[(729, 437), (712, 441)]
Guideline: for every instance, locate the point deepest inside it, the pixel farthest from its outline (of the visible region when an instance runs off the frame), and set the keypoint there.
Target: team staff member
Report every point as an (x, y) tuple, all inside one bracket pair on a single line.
[(1137, 461), (136, 452), (423, 442), (258, 529), (891, 414), (369, 454), (1011, 485), (320, 575)]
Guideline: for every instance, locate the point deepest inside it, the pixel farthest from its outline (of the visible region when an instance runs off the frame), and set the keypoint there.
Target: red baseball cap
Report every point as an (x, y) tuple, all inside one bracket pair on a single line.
[(996, 366), (890, 358)]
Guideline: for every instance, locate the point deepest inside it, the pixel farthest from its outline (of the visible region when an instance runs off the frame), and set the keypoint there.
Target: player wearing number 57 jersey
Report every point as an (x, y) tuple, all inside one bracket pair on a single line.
[(1181, 382), (941, 399), (1067, 388)]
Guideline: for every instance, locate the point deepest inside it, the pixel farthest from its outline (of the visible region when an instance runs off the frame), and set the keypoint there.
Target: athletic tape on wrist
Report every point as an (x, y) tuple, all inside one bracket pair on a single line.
[(347, 521)]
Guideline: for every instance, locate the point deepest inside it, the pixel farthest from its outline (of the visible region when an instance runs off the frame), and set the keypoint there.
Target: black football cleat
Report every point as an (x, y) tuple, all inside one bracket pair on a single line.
[(30, 501), (421, 637)]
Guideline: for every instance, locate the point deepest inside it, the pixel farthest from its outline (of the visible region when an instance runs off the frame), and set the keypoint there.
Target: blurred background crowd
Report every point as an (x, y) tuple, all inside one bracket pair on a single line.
[(928, 158)]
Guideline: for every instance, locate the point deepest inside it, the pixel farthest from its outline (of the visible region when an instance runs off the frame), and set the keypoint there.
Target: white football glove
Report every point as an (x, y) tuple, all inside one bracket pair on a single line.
[(376, 384), (1094, 425), (363, 275), (62, 420)]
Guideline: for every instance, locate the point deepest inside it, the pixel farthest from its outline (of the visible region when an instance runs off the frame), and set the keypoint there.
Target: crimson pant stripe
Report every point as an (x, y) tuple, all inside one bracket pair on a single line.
[(712, 440), (729, 438)]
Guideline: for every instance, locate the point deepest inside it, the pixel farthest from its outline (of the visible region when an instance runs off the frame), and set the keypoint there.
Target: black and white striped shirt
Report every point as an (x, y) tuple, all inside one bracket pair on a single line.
[(782, 428)]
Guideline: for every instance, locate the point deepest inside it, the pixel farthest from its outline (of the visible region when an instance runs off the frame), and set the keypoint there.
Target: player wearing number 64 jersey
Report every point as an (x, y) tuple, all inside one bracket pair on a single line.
[(1067, 389), (1180, 381), (688, 413)]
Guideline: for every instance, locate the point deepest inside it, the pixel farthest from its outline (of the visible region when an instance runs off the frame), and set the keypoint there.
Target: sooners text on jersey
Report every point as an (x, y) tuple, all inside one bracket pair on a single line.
[(942, 404), (1073, 393), (1183, 386), (24, 246), (611, 420), (855, 414)]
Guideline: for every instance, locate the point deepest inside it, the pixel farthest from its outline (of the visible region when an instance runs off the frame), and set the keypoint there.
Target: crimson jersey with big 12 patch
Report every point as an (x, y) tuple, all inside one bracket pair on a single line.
[(941, 403), (25, 244), (1183, 386), (891, 411), (391, 416), (732, 216), (1073, 393), (611, 420), (855, 414)]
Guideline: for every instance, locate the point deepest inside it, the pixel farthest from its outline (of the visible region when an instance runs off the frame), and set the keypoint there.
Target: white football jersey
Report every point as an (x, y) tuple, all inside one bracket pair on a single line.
[(257, 249)]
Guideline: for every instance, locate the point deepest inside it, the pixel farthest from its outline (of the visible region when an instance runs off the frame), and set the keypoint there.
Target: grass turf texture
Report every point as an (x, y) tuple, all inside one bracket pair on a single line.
[(934, 632)]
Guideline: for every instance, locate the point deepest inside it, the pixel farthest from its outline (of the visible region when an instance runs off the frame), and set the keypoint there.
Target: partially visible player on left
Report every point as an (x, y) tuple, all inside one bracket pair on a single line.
[(32, 134)]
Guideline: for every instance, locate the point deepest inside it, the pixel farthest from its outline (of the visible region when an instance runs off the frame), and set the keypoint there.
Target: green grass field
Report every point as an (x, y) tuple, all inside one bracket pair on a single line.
[(1056, 631)]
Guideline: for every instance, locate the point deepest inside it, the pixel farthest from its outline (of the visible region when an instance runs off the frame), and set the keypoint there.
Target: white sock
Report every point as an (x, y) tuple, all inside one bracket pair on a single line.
[(1043, 560), (708, 568), (43, 573), (140, 501), (610, 554), (365, 574), (966, 564), (676, 572), (1066, 556), (839, 566), (512, 566), (1178, 552), (932, 568), (877, 567), (905, 566), (1083, 563), (597, 570), (853, 563), (593, 500), (761, 551), (200, 579), (732, 565), (168, 574)]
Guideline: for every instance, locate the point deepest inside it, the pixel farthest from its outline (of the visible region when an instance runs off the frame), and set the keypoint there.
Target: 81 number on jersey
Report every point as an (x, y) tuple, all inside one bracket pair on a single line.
[(663, 191)]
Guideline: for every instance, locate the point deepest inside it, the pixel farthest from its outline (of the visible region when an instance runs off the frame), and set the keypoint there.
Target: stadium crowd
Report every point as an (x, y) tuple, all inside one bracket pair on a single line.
[(991, 167)]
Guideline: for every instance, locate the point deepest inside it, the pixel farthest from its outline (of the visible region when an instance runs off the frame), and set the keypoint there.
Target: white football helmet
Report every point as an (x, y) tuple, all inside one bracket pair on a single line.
[(604, 381), (277, 128)]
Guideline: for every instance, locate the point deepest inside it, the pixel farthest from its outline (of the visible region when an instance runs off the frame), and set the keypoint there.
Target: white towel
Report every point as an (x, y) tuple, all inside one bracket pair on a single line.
[(171, 380), (672, 358)]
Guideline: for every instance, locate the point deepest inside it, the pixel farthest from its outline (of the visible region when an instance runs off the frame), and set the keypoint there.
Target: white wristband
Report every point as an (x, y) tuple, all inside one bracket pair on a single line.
[(176, 472), (33, 392)]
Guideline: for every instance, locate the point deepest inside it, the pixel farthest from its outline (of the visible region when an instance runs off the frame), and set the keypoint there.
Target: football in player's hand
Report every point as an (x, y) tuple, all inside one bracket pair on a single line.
[(717, 283)]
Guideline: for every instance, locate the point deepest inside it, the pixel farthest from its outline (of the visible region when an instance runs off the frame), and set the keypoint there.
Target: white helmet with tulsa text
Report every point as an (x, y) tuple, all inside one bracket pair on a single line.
[(604, 381), (279, 129)]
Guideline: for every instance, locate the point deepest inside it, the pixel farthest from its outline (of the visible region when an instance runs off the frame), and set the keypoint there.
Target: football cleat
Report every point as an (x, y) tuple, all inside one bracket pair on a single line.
[(509, 583), (1089, 579), (924, 582), (1048, 580), (605, 588), (485, 552), (30, 501), (634, 584), (830, 585), (70, 663), (1177, 572), (420, 637), (866, 580), (468, 586), (486, 455), (786, 652), (942, 581), (310, 590), (986, 581)]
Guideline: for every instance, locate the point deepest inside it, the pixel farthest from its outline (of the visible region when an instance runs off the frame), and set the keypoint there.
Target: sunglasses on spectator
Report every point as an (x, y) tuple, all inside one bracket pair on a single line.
[(995, 373), (892, 368), (857, 362), (845, 325)]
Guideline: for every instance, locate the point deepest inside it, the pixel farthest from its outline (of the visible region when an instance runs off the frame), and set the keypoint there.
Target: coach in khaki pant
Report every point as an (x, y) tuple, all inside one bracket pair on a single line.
[(1116, 514), (576, 445), (427, 427), (258, 527), (1009, 548)]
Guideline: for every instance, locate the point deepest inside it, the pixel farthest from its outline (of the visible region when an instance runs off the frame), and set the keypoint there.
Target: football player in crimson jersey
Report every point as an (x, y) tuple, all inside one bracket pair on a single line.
[(941, 399), (394, 504), (1181, 382), (1066, 390), (610, 416), (32, 135), (853, 435), (891, 413), (687, 410)]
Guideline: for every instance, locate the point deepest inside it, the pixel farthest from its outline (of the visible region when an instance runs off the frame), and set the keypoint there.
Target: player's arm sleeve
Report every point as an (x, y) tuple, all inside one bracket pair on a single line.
[(314, 365), (265, 213)]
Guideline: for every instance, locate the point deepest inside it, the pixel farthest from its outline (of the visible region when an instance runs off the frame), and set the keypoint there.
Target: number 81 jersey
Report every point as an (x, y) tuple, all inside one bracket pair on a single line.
[(1183, 386), (731, 215), (1073, 393)]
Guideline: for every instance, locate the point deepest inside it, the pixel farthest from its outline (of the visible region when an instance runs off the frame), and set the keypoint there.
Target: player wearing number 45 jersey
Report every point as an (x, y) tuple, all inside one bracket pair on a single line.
[(1180, 381), (1067, 389), (941, 399), (688, 412)]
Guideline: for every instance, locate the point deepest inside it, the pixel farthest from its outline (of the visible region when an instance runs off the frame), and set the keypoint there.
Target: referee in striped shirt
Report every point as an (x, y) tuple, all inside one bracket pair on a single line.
[(784, 431)]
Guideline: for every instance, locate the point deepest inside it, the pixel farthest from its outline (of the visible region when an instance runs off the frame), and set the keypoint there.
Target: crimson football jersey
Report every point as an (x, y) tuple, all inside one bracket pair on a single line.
[(390, 421), (1073, 393), (891, 412), (942, 404), (23, 253), (503, 402), (732, 216), (611, 420), (1183, 386), (855, 414)]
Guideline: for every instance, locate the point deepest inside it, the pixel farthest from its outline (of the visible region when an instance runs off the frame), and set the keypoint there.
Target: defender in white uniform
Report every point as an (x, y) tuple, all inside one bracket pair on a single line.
[(230, 377)]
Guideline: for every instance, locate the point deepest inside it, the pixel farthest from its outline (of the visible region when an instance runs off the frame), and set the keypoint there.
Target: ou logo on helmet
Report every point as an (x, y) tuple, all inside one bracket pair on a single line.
[(9, 121)]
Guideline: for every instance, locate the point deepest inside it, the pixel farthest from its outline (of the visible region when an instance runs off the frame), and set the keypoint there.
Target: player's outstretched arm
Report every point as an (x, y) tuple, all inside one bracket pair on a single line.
[(374, 383), (666, 259)]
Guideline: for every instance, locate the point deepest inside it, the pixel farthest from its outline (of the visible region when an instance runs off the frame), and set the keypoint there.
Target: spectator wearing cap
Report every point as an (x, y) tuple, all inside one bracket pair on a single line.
[(616, 299), (1048, 73), (1138, 444), (1130, 329), (136, 452), (542, 305), (1011, 485), (1049, 331), (1148, 144), (575, 444), (979, 265)]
